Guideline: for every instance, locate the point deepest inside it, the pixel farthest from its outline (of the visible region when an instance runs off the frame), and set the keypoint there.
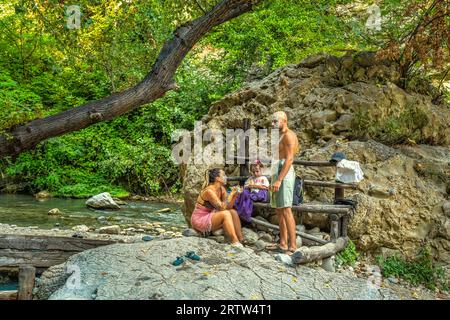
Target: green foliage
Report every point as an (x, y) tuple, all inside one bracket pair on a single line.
[(391, 129), (348, 256), (18, 104), (46, 68), (420, 270)]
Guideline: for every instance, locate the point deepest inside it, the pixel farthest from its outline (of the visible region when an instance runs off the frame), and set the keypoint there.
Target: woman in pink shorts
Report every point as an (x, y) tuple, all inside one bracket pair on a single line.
[(213, 210)]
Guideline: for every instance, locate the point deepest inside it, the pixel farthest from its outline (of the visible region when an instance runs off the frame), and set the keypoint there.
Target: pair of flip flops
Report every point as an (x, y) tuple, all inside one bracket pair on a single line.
[(190, 254), (276, 247)]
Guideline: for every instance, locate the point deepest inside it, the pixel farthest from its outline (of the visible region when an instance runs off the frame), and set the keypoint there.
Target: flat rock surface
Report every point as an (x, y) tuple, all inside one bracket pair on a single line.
[(144, 271)]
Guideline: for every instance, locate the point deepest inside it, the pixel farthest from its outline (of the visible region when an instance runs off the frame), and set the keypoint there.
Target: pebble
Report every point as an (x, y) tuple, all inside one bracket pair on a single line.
[(393, 280), (260, 244), (190, 233), (284, 258), (115, 229), (147, 238), (328, 264), (265, 237)]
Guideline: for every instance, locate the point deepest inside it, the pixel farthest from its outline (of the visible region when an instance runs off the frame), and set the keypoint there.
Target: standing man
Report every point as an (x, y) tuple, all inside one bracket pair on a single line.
[(282, 188)]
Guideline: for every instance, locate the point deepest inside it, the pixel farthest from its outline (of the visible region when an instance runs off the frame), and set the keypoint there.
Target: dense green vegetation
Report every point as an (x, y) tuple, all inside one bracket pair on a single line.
[(45, 68), (348, 256), (420, 270)]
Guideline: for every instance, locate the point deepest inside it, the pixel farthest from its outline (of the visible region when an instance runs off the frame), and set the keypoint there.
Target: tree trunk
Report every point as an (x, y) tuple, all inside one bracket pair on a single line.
[(153, 86)]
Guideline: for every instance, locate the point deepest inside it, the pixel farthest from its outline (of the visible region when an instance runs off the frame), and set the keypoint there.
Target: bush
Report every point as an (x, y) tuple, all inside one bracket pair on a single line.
[(348, 256), (420, 270)]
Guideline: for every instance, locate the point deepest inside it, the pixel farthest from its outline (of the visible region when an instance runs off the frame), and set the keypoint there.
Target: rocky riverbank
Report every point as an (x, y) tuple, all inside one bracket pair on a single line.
[(270, 276), (144, 271)]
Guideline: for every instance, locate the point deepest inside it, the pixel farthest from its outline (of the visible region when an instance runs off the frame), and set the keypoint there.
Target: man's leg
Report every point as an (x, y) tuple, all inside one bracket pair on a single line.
[(290, 226), (283, 228)]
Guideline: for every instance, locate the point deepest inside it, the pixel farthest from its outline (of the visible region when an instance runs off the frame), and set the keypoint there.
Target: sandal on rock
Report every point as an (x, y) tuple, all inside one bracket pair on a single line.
[(178, 261), (192, 255)]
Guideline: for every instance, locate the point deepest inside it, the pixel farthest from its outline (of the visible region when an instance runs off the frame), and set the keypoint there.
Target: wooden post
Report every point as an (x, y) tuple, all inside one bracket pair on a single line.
[(334, 227), (243, 168), (344, 225), (26, 282)]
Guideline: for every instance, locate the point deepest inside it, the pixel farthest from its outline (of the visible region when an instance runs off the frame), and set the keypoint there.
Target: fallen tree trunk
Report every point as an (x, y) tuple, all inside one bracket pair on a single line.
[(301, 234), (153, 86), (310, 254)]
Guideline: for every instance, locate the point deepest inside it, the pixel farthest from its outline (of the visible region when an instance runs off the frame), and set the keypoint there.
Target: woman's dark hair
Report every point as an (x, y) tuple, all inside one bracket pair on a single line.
[(211, 175)]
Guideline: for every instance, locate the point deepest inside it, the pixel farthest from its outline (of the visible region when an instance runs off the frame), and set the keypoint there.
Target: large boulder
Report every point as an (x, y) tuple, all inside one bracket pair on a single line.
[(144, 271), (328, 101), (102, 201)]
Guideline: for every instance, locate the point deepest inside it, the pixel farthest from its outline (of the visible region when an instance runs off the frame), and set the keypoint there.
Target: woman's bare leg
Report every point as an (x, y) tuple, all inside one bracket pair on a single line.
[(223, 219), (237, 224)]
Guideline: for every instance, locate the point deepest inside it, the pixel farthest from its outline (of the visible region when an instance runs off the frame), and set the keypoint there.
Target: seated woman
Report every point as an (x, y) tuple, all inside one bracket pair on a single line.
[(256, 189), (213, 210)]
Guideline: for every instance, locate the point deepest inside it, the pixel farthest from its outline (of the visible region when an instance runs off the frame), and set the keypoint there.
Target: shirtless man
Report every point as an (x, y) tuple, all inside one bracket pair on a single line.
[(282, 188)]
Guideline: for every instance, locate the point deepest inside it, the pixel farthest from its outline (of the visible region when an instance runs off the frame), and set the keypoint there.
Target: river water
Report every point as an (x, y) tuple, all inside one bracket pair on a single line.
[(26, 211)]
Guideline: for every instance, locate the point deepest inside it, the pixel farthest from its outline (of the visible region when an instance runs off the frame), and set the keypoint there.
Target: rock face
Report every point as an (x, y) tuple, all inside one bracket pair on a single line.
[(144, 271), (102, 201), (327, 99)]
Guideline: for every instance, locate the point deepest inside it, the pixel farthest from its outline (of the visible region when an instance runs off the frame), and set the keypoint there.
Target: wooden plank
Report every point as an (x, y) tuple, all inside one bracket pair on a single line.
[(306, 163), (29, 242), (309, 183), (310, 254), (313, 208), (301, 234), (8, 295), (39, 259), (27, 275)]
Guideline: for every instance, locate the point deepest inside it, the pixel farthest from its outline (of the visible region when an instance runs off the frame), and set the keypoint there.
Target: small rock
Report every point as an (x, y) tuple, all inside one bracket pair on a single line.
[(190, 233), (101, 218), (393, 280), (379, 192), (328, 264), (250, 236), (313, 230), (57, 224), (219, 239), (115, 229), (102, 201), (284, 258), (54, 212), (81, 228), (350, 269), (265, 237), (301, 227), (260, 244), (147, 238), (160, 230), (42, 195), (446, 208)]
